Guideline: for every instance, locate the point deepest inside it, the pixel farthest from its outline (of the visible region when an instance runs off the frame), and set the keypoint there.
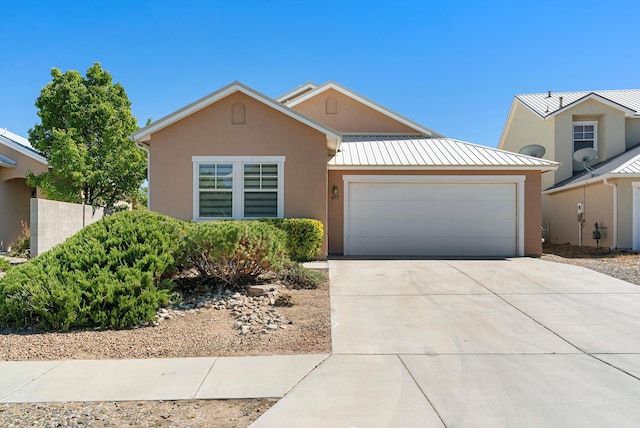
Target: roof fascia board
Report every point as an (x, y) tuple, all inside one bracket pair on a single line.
[(531, 109), (144, 134), (588, 182), (594, 96), (294, 92), (375, 106), (507, 123), (8, 142), (443, 167)]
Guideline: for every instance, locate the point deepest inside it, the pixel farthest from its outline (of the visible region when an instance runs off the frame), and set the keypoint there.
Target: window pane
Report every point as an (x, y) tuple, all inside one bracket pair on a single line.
[(588, 128), (216, 204), (269, 169), (582, 144), (252, 182), (270, 182), (588, 135), (260, 204), (251, 169), (207, 183), (207, 170)]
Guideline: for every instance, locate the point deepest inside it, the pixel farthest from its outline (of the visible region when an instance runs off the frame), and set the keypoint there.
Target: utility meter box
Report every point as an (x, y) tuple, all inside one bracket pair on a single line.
[(580, 207)]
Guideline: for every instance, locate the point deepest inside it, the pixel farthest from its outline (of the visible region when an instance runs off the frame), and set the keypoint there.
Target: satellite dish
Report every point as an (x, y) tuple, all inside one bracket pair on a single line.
[(585, 155), (535, 150)]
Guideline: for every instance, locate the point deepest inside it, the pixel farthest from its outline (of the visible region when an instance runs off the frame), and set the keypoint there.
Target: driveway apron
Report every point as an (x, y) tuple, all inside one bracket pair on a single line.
[(473, 343)]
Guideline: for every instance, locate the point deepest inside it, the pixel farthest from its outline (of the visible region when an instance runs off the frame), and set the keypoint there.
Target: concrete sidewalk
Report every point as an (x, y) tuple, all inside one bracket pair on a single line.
[(153, 379)]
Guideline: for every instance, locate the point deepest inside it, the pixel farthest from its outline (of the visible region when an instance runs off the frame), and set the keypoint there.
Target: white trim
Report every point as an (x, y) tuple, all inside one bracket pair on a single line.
[(294, 92), (238, 190), (635, 223), (519, 180), (543, 168), (9, 142), (377, 107)]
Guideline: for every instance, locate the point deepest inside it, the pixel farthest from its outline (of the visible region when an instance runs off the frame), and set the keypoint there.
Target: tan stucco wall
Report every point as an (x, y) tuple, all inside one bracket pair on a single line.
[(15, 194), (267, 132), (632, 132), (532, 220), (525, 128), (351, 116), (611, 134), (14, 207), (563, 217)]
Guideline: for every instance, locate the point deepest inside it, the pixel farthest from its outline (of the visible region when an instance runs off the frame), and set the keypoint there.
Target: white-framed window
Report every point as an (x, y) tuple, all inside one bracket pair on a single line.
[(237, 187), (585, 135)]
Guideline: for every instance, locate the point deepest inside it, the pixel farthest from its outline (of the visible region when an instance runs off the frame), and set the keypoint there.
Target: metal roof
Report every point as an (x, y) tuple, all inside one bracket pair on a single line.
[(5, 161), (21, 145), (627, 163), (545, 104), (406, 151)]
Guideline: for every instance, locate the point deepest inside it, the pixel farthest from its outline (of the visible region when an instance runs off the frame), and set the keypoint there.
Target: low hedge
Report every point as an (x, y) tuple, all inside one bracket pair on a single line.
[(233, 252), (304, 236), (114, 273)]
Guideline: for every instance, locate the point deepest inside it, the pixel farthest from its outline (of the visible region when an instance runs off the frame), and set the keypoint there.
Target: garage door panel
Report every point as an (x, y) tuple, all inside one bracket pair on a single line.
[(421, 192), (432, 218), (438, 247), (459, 211), (416, 230)]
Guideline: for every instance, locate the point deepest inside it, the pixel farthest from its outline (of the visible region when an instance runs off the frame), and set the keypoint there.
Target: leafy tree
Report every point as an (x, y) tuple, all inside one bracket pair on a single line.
[(84, 134)]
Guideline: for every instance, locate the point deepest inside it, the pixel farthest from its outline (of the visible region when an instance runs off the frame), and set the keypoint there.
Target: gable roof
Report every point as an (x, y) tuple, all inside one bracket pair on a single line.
[(548, 104), (624, 165), (375, 106), (144, 134), (289, 96), (405, 152), (20, 145)]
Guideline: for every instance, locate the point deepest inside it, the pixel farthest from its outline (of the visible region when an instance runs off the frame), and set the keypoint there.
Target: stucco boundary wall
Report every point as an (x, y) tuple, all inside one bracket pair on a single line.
[(53, 221)]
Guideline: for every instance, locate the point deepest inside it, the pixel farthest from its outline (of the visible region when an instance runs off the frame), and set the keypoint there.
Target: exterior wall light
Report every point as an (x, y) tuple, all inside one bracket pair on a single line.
[(336, 192)]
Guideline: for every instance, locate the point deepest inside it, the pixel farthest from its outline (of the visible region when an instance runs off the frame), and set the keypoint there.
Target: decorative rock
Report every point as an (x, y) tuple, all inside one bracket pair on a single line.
[(272, 327)]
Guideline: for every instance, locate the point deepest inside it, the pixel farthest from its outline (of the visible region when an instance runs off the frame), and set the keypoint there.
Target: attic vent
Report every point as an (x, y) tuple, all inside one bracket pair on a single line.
[(238, 114), (331, 106)]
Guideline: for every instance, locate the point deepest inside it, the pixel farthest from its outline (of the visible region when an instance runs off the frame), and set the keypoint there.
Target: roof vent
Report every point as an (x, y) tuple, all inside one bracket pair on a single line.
[(560, 99), (548, 94)]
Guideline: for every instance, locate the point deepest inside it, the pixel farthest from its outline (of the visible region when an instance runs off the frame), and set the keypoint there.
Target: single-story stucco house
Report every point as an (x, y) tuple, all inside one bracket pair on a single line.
[(380, 183), (17, 157)]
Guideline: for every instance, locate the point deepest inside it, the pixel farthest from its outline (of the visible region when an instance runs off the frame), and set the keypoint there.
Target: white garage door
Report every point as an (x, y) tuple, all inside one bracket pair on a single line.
[(432, 218)]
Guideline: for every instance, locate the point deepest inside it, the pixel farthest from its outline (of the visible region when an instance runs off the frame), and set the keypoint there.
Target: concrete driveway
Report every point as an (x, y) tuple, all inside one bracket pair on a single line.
[(473, 343)]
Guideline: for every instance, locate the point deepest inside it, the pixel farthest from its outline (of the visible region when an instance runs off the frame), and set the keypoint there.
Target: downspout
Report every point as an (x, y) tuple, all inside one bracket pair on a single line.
[(614, 245)]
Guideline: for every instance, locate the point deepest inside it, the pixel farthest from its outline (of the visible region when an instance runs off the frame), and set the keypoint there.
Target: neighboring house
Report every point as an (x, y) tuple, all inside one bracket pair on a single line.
[(380, 183), (16, 158), (579, 194)]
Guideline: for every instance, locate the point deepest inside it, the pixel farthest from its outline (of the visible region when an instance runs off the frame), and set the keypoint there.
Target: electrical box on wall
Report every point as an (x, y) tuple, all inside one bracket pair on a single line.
[(580, 207)]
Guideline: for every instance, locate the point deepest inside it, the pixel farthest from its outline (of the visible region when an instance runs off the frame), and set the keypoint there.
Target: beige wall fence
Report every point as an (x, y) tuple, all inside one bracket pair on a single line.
[(52, 222)]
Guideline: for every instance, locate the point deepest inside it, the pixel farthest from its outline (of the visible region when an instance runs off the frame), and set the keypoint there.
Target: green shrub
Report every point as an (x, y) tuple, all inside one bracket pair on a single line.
[(4, 264), (296, 276), (113, 273), (233, 252), (304, 236)]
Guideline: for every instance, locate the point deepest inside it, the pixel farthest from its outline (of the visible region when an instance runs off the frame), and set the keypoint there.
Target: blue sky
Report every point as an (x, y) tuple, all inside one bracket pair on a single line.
[(453, 66)]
